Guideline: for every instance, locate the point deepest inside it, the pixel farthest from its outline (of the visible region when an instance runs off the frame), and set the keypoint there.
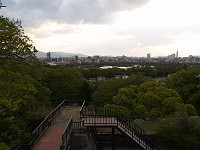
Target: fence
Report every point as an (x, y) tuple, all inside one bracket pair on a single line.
[(66, 136)]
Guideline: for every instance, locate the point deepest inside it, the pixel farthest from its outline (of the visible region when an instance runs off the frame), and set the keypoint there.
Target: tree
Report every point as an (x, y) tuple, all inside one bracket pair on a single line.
[(140, 111), (16, 96), (105, 91), (190, 109), (169, 105), (15, 46), (180, 133), (187, 83), (64, 83), (21, 94), (109, 88), (150, 99), (3, 146)]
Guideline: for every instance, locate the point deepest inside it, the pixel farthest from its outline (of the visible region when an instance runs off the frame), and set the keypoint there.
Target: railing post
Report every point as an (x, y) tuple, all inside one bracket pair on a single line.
[(83, 123), (49, 123)]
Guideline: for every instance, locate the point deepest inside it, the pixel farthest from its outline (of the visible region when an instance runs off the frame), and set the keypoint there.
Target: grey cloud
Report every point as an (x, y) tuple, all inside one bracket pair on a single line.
[(153, 36), (69, 11), (67, 29)]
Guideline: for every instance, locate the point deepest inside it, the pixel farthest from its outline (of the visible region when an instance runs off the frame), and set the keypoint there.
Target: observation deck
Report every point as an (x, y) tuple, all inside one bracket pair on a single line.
[(57, 129)]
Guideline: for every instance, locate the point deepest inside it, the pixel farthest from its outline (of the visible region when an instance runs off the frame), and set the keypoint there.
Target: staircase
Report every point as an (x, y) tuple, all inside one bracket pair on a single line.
[(111, 117)]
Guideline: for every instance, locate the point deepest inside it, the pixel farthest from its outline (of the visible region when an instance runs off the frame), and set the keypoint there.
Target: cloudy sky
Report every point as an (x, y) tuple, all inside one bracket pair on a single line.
[(110, 27)]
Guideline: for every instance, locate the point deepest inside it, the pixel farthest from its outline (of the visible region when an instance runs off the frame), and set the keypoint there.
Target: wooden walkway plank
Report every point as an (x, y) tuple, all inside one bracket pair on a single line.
[(50, 140)]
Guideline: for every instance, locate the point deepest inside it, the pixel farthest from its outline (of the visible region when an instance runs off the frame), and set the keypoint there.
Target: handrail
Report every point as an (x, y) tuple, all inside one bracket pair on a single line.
[(46, 123), (103, 110), (42, 127), (81, 110), (25, 146), (136, 133), (77, 125), (121, 121), (66, 135), (94, 136), (73, 102)]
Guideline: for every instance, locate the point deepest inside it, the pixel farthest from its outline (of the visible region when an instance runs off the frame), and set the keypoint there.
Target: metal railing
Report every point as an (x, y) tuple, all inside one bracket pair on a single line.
[(25, 146), (77, 125), (82, 109), (94, 134), (46, 123), (67, 135), (102, 111), (136, 133), (43, 126), (73, 103), (100, 120), (71, 125), (114, 117)]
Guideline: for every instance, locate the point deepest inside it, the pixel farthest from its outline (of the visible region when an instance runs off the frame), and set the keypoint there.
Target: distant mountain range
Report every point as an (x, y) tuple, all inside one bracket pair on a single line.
[(40, 54)]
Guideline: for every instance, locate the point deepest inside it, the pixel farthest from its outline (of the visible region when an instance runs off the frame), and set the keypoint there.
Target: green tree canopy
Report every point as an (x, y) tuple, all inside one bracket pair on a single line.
[(150, 99), (109, 88), (15, 46), (187, 83), (65, 83), (183, 131), (21, 92)]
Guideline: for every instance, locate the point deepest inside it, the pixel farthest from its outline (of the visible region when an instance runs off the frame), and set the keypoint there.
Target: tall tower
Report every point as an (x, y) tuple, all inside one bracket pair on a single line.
[(177, 53)]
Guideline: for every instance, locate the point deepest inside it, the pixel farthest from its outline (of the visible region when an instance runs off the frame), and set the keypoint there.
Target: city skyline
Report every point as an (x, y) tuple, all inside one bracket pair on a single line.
[(41, 54), (107, 27)]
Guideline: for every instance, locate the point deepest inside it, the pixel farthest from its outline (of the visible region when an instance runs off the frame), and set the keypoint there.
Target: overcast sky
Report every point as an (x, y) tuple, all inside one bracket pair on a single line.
[(110, 27)]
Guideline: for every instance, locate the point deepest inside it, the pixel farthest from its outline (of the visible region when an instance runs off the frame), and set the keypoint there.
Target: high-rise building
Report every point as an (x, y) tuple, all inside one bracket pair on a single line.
[(148, 56), (49, 57)]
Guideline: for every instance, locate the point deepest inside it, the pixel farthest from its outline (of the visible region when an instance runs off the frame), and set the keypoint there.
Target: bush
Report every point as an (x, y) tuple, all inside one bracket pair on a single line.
[(3, 146), (180, 133)]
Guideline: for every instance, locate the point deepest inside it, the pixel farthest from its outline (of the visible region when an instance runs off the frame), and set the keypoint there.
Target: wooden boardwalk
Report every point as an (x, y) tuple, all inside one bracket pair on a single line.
[(52, 138)]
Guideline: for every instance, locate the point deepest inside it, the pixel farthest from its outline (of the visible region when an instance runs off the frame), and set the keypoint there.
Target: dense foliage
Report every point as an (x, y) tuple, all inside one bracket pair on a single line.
[(148, 100), (65, 84), (176, 98), (20, 96), (182, 130), (109, 88), (187, 83), (29, 90)]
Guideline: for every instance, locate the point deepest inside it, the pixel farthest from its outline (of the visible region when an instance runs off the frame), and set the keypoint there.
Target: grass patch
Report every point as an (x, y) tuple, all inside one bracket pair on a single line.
[(148, 126), (104, 130)]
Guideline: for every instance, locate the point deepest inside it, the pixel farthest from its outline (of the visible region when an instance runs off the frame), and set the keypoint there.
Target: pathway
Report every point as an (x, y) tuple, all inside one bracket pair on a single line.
[(51, 139)]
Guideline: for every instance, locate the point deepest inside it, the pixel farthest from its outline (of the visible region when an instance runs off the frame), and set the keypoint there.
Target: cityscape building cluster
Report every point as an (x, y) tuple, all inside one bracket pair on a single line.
[(172, 58)]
